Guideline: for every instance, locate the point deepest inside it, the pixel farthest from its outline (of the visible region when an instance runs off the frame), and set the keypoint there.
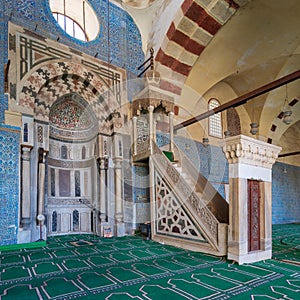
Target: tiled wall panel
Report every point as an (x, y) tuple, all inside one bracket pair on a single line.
[(9, 184), (285, 194)]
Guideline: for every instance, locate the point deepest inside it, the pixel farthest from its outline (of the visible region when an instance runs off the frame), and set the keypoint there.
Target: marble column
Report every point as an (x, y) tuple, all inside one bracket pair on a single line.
[(250, 161), (119, 214), (41, 186), (103, 197), (25, 206)]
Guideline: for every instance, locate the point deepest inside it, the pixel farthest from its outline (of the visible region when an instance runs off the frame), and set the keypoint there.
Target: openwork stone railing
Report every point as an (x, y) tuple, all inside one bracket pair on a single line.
[(207, 221), (143, 146)]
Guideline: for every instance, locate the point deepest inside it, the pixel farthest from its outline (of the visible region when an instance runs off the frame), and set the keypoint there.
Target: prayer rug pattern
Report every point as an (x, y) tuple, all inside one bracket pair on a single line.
[(86, 266)]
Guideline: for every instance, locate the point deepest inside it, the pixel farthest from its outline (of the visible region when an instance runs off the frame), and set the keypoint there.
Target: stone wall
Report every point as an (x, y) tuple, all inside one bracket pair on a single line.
[(209, 160), (285, 194)]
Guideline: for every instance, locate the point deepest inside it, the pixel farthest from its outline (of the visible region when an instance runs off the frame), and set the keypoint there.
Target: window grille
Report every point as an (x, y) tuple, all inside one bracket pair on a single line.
[(215, 121)]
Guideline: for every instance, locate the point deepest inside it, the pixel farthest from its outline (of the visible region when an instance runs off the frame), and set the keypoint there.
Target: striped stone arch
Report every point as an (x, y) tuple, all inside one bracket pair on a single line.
[(194, 26), (278, 127), (49, 82)]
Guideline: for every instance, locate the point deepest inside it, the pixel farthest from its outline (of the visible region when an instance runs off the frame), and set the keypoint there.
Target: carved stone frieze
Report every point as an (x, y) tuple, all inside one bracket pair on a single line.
[(67, 164), (246, 150), (68, 201)]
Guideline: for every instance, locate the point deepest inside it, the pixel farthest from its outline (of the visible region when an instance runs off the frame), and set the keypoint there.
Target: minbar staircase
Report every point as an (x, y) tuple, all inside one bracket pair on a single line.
[(186, 210)]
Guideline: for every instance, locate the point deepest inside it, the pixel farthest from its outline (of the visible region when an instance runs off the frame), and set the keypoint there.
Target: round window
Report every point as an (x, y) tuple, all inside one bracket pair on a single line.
[(76, 17)]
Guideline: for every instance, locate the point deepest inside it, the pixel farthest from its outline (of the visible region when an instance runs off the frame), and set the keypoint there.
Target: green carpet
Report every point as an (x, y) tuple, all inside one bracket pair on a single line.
[(85, 266), (286, 242)]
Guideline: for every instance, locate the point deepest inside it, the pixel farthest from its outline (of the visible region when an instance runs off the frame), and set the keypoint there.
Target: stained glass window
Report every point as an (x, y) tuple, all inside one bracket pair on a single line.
[(25, 133), (54, 221), (64, 152), (77, 184), (52, 182)]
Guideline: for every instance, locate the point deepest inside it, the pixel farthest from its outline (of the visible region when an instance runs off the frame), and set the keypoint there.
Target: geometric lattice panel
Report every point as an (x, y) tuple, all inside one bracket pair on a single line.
[(171, 217)]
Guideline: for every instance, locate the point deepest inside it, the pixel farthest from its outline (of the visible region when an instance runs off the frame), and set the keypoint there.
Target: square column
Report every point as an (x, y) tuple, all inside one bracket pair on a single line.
[(250, 198)]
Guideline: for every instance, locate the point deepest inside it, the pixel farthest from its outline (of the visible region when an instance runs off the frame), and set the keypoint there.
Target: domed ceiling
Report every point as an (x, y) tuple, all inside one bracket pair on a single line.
[(70, 115), (71, 118)]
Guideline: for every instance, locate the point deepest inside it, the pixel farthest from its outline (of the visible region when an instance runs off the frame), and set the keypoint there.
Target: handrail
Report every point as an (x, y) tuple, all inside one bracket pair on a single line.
[(192, 200)]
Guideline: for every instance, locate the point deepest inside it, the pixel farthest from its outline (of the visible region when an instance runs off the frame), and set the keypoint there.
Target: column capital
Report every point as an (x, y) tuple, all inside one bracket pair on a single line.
[(26, 147), (26, 151), (247, 150), (117, 162), (103, 161), (43, 154), (150, 108)]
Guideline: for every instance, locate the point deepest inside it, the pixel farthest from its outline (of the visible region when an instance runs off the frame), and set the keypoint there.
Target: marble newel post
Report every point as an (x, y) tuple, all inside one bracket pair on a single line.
[(25, 207), (41, 186), (250, 198), (151, 126), (119, 216), (171, 128)]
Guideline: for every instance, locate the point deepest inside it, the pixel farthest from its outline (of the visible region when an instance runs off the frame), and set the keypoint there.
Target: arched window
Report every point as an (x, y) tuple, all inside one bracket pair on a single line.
[(25, 133), (75, 220), (76, 17), (70, 26), (64, 152), (83, 152), (77, 184), (214, 121), (120, 148), (54, 221), (52, 182)]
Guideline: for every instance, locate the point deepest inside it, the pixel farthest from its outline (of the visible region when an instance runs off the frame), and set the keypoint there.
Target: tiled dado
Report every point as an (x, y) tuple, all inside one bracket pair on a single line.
[(9, 183)]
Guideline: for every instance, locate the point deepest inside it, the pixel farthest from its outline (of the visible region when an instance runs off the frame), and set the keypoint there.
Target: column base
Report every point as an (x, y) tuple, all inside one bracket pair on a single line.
[(24, 236), (105, 229), (120, 229), (250, 257)]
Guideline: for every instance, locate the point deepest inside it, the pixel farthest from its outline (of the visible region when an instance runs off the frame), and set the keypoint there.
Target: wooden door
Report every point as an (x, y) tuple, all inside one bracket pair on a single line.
[(253, 215)]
